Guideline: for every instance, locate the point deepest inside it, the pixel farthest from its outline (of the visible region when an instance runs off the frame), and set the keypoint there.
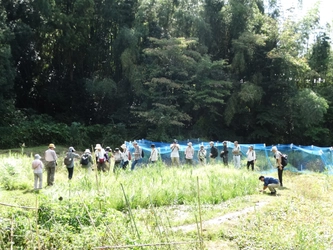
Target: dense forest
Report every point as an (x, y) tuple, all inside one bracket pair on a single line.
[(81, 72)]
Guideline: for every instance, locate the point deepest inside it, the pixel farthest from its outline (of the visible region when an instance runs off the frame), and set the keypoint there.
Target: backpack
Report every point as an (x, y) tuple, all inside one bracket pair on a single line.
[(68, 160), (284, 160), (84, 160)]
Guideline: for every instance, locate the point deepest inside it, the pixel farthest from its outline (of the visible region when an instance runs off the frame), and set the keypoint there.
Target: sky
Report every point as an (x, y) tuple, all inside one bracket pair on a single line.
[(325, 8)]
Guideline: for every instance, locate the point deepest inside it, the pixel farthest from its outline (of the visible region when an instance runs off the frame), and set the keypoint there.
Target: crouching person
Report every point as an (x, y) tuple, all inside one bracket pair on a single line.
[(270, 183)]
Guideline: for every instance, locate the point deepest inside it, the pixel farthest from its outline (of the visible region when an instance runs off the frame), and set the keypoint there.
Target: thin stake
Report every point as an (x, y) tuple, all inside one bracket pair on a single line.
[(200, 218), (130, 211)]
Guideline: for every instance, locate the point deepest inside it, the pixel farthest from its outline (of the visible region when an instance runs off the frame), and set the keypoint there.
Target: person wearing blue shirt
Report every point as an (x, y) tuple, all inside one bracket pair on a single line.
[(270, 183)]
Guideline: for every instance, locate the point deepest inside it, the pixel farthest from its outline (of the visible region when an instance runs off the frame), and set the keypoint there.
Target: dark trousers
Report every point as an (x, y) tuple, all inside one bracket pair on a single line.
[(250, 163), (50, 171), (280, 172), (70, 173), (225, 160), (124, 165)]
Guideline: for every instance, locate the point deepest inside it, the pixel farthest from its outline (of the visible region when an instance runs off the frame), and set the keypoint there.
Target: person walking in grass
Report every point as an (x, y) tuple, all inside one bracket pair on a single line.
[(236, 151), (87, 161), (137, 155), (118, 158), (101, 158), (175, 153), (126, 155), (224, 153), (213, 152), (251, 158), (189, 153), (37, 166), (270, 183), (153, 154), (70, 155), (277, 156), (202, 155), (51, 163)]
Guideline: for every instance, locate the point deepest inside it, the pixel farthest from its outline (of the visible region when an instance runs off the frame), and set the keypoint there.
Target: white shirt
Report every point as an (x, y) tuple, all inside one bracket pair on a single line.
[(174, 150), (100, 153), (189, 152), (251, 155), (37, 166), (50, 155), (153, 155)]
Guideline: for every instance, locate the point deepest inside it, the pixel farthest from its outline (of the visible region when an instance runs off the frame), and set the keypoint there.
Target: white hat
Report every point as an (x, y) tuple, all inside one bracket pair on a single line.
[(189, 144), (274, 148), (123, 146), (71, 149), (98, 146), (87, 151), (37, 156)]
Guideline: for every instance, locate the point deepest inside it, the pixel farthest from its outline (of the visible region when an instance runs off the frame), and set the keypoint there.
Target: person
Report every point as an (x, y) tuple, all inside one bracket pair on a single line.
[(189, 153), (213, 152), (270, 183), (236, 151), (175, 153), (108, 151), (251, 158), (118, 158), (101, 158), (87, 161), (37, 166), (202, 155), (126, 155), (137, 155), (277, 156), (224, 154), (51, 163), (71, 155), (153, 154)]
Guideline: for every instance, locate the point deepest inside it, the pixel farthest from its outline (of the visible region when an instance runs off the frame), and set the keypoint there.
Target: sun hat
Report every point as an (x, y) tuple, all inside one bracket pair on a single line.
[(71, 149), (107, 149), (98, 146), (116, 149), (274, 148), (123, 146), (189, 144), (37, 156), (134, 143), (211, 143), (51, 145), (87, 151)]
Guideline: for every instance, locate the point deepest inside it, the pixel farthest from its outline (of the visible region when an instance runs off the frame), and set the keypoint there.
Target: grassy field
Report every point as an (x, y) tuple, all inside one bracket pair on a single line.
[(147, 209)]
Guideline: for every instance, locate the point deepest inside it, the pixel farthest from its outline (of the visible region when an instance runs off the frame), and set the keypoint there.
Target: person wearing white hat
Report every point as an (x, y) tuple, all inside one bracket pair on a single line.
[(51, 163), (69, 161), (101, 158), (189, 153), (37, 166), (126, 155)]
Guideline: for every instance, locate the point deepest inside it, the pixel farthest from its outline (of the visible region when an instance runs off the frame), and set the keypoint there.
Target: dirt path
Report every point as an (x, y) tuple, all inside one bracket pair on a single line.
[(222, 219)]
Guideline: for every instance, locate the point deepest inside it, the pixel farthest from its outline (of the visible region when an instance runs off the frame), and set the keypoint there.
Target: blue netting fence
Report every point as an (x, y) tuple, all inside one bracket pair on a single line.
[(300, 158)]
